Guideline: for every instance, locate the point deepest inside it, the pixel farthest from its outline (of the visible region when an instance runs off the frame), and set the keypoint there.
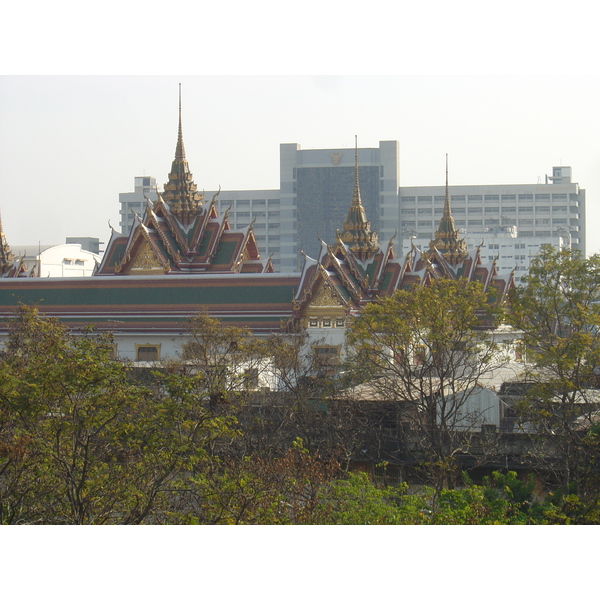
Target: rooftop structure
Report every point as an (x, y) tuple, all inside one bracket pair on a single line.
[(179, 234)]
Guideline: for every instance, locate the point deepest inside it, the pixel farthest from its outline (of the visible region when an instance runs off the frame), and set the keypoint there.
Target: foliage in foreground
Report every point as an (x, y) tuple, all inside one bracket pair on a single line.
[(82, 441)]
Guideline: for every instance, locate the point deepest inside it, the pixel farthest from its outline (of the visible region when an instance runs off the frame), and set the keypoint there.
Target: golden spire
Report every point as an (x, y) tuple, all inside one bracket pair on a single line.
[(180, 191), (357, 234), (447, 241), (7, 258), (180, 150)]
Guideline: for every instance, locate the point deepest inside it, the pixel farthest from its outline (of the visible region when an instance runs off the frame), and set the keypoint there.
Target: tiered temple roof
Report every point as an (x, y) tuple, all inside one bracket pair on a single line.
[(447, 241), (357, 234), (180, 234), (355, 270)]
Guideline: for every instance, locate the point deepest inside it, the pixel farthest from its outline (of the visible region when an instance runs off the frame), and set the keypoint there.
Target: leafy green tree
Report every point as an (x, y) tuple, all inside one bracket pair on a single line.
[(83, 443), (557, 309), (227, 362), (61, 399), (356, 501), (428, 348)]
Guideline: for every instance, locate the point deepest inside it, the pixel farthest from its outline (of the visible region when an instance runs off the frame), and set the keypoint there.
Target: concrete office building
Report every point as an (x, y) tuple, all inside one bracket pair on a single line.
[(144, 187), (315, 186), (316, 183), (544, 211)]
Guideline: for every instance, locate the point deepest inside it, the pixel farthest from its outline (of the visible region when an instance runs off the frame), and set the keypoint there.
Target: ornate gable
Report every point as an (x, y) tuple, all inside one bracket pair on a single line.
[(145, 262), (327, 308)]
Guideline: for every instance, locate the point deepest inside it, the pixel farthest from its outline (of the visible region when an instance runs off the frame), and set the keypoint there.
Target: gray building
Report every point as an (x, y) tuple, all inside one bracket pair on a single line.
[(144, 187), (316, 190), (548, 210)]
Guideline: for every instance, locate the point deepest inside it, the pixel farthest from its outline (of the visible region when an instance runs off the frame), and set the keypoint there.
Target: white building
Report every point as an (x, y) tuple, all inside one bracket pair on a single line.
[(144, 187), (542, 211), (62, 260)]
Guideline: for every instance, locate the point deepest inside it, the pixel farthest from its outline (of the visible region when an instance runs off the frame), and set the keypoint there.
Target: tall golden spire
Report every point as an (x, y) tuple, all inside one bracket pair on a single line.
[(357, 234), (179, 149), (180, 191), (447, 241)]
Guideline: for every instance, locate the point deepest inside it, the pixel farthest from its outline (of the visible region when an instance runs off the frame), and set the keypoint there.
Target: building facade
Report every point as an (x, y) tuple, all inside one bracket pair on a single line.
[(135, 202), (315, 186), (71, 259), (316, 183), (545, 212)]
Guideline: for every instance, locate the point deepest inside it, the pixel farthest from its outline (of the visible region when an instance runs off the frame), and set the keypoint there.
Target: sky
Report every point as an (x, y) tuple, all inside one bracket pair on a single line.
[(507, 97), (70, 144)]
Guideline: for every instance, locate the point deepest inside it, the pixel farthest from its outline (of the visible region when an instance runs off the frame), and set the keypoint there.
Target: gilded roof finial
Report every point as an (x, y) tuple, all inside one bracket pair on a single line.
[(180, 150), (447, 241), (357, 235), (356, 196), (447, 200), (181, 193)]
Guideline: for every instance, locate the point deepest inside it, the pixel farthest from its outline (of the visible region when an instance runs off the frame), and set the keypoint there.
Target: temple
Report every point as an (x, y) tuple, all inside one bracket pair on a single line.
[(181, 258), (355, 270), (10, 266)]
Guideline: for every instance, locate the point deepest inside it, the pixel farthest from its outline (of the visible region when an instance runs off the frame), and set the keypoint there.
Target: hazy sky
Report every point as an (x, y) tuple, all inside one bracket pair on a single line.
[(507, 96)]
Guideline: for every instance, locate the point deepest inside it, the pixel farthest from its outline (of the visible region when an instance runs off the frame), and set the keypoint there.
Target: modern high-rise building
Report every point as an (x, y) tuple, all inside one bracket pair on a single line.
[(541, 210), (316, 185)]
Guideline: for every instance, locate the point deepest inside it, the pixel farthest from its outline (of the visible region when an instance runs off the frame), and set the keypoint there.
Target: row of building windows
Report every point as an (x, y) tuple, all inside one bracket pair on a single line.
[(488, 223), (489, 210), (487, 198), (258, 215), (326, 322), (494, 210), (224, 202)]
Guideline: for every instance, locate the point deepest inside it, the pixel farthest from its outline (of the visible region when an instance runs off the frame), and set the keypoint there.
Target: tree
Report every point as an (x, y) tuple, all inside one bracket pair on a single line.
[(227, 361), (83, 443), (557, 309), (429, 348), (61, 402), (304, 403)]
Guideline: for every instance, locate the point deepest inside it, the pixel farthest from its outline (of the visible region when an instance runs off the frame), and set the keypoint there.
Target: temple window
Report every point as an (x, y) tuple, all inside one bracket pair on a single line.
[(147, 353)]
